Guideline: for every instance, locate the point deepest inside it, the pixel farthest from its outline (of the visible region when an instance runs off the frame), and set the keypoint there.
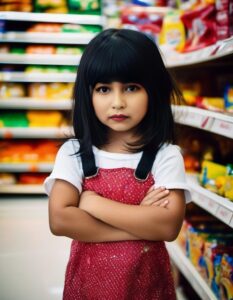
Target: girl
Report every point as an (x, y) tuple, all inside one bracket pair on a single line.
[(118, 188)]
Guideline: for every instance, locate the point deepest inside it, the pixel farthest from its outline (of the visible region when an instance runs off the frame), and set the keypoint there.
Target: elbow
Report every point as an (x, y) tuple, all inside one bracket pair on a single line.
[(172, 233), (55, 225), (171, 237)]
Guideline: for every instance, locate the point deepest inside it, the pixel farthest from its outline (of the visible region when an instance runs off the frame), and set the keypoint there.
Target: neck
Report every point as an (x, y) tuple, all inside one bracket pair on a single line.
[(118, 142)]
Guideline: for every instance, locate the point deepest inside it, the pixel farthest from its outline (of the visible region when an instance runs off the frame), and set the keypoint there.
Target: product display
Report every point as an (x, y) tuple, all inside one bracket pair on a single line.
[(190, 33), (208, 245)]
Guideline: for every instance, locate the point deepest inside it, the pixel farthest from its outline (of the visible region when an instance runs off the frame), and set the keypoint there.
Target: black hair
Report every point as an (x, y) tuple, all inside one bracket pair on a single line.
[(125, 56)]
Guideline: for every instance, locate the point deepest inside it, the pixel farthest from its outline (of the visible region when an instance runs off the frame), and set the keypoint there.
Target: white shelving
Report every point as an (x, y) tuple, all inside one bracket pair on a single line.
[(34, 103), (22, 189), (44, 38), (41, 59), (218, 206), (220, 49), (204, 119), (36, 77), (35, 132), (56, 18), (26, 167), (190, 272)]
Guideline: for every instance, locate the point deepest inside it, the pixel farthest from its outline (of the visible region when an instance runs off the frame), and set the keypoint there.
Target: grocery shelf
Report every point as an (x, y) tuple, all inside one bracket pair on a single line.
[(218, 206), (189, 271), (35, 103), (36, 77), (35, 132), (174, 59), (56, 18), (40, 59), (219, 123), (45, 38), (26, 167), (22, 189)]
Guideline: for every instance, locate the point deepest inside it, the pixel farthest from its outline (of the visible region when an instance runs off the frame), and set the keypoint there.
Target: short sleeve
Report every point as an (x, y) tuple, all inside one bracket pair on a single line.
[(67, 166), (168, 170)]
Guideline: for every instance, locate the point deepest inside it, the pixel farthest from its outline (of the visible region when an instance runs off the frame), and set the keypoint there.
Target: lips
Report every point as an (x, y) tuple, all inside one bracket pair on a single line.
[(118, 117)]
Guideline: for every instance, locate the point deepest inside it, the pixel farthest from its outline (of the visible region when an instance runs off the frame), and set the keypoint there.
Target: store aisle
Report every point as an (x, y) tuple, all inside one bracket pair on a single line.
[(32, 260)]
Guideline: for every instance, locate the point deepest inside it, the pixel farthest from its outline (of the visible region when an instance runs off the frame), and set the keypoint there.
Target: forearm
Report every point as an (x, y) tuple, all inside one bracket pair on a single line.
[(79, 225), (146, 222)]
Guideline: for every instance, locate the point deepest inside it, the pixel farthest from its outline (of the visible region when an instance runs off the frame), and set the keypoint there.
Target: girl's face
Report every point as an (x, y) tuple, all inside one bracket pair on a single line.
[(120, 106)]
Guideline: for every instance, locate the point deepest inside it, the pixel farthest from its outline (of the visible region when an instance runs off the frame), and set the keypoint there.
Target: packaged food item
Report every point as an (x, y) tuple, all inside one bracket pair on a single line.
[(7, 179), (226, 278), (16, 5), (59, 91), (47, 151), (4, 49), (195, 245), (173, 31), (73, 28), (68, 69), (227, 185), (32, 178), (87, 6), (190, 91), (14, 152), (14, 119), (213, 104), (215, 244), (201, 27), (34, 69), (224, 22), (228, 98), (211, 171), (68, 50), (146, 19), (216, 256), (11, 90), (191, 163), (45, 118), (40, 49), (37, 90), (45, 27), (51, 6), (17, 50)]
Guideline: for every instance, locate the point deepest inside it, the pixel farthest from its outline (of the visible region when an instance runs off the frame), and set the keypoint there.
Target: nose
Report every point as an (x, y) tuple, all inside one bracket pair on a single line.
[(118, 101)]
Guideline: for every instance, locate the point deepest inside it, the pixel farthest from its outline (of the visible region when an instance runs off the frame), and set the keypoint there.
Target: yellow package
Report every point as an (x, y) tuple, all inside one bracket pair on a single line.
[(173, 31)]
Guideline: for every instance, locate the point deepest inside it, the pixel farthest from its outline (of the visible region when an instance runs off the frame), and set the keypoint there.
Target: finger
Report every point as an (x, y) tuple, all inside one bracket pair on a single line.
[(164, 204), (150, 189), (158, 203), (153, 197), (161, 204), (153, 192)]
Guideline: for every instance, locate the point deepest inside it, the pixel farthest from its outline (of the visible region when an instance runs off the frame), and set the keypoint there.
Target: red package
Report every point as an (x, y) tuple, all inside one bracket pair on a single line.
[(201, 26), (224, 18)]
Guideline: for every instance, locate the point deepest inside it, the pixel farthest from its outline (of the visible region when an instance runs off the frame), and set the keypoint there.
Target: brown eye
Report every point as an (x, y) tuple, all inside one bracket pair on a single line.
[(103, 89), (132, 88)]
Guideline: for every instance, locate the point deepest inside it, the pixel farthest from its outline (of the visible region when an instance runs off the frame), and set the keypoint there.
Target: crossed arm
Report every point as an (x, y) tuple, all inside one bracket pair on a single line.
[(92, 218)]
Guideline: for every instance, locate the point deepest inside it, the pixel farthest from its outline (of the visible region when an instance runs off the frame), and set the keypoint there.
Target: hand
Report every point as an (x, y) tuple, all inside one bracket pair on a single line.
[(86, 199), (156, 196)]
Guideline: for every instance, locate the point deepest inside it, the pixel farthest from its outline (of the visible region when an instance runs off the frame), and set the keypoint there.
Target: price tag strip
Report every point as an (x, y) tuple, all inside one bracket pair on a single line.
[(218, 206), (223, 128)]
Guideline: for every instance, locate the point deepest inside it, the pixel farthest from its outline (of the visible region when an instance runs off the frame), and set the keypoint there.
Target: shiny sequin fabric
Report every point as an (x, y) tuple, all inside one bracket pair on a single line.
[(128, 270)]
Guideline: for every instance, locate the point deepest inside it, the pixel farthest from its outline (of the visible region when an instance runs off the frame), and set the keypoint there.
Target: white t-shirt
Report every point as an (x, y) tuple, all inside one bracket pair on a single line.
[(168, 168)]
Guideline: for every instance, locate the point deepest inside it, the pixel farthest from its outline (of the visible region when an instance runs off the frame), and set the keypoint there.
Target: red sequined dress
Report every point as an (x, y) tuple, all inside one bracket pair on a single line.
[(125, 270)]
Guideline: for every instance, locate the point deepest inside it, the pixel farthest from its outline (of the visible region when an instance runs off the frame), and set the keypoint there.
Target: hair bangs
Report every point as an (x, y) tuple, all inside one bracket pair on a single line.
[(116, 63)]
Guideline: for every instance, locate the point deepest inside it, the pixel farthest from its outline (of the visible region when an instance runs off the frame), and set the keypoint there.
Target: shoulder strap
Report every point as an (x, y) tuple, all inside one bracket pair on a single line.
[(88, 164), (145, 165), (141, 173)]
